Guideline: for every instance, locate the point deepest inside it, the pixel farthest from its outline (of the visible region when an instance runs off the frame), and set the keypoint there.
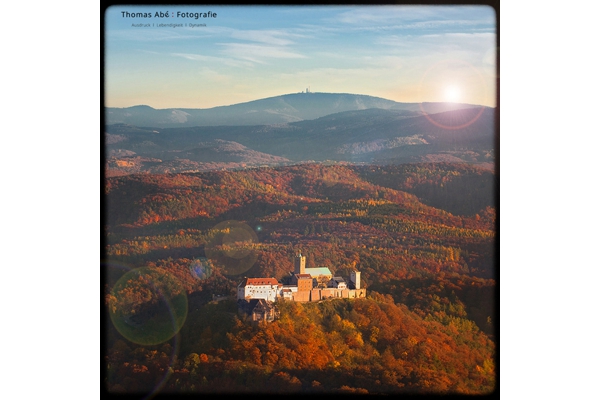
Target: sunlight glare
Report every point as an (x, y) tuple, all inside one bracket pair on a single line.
[(452, 94)]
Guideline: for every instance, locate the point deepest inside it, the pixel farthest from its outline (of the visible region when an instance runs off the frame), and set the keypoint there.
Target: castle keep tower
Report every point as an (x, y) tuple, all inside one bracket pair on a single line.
[(355, 278), (299, 264)]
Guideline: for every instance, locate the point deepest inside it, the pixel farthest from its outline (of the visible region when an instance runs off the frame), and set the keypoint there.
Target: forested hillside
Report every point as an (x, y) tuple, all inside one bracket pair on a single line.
[(425, 246), (371, 345)]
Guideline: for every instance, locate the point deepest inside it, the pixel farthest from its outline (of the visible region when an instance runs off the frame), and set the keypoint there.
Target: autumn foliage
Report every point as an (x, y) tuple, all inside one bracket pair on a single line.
[(422, 235), (373, 344)]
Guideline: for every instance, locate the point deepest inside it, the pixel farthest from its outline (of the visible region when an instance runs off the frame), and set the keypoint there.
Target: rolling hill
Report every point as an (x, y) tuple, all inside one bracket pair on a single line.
[(273, 110), (359, 136)]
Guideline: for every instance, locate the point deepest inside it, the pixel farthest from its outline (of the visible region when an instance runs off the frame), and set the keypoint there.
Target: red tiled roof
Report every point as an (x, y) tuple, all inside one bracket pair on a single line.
[(259, 281)]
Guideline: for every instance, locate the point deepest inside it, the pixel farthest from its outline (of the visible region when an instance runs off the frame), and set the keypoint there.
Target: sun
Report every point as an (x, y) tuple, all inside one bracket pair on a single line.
[(452, 93)]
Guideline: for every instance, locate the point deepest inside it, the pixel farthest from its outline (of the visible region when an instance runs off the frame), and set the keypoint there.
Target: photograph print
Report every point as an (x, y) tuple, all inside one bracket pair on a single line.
[(300, 200)]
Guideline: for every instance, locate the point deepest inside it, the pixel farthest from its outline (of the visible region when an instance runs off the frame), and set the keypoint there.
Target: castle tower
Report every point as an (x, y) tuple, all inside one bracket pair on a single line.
[(299, 264), (355, 278)]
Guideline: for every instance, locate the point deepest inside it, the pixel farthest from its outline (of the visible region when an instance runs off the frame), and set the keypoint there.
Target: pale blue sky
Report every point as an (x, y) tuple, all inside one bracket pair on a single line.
[(401, 53)]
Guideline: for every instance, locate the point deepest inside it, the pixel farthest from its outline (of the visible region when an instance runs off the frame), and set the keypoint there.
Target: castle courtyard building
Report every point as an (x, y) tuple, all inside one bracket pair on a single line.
[(258, 288)]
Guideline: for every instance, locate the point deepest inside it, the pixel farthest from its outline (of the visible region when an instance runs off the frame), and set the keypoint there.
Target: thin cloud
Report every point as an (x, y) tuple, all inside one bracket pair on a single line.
[(214, 60), (150, 35), (271, 37), (256, 52), (393, 62), (414, 16), (439, 42), (384, 14), (214, 76)]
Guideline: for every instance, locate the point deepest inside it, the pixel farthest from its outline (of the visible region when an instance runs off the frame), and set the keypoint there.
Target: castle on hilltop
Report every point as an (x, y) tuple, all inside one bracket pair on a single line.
[(306, 285)]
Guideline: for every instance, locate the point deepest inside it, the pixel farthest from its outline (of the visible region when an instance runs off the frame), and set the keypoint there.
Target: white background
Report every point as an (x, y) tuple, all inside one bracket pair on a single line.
[(548, 202)]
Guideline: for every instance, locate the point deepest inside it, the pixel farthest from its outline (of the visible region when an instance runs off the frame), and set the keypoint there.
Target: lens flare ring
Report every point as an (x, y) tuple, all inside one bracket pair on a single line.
[(109, 268), (148, 306), (424, 79), (232, 246), (201, 268)]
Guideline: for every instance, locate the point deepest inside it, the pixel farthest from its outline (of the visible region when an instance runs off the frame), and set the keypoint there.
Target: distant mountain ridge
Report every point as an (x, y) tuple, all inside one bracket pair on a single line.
[(269, 111), (364, 136)]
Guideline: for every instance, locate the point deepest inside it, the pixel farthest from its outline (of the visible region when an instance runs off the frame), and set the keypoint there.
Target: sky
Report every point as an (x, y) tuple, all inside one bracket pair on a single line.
[(245, 53)]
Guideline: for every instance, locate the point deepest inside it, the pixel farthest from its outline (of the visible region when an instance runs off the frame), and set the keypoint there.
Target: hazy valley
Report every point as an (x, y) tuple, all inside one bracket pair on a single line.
[(362, 135)]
